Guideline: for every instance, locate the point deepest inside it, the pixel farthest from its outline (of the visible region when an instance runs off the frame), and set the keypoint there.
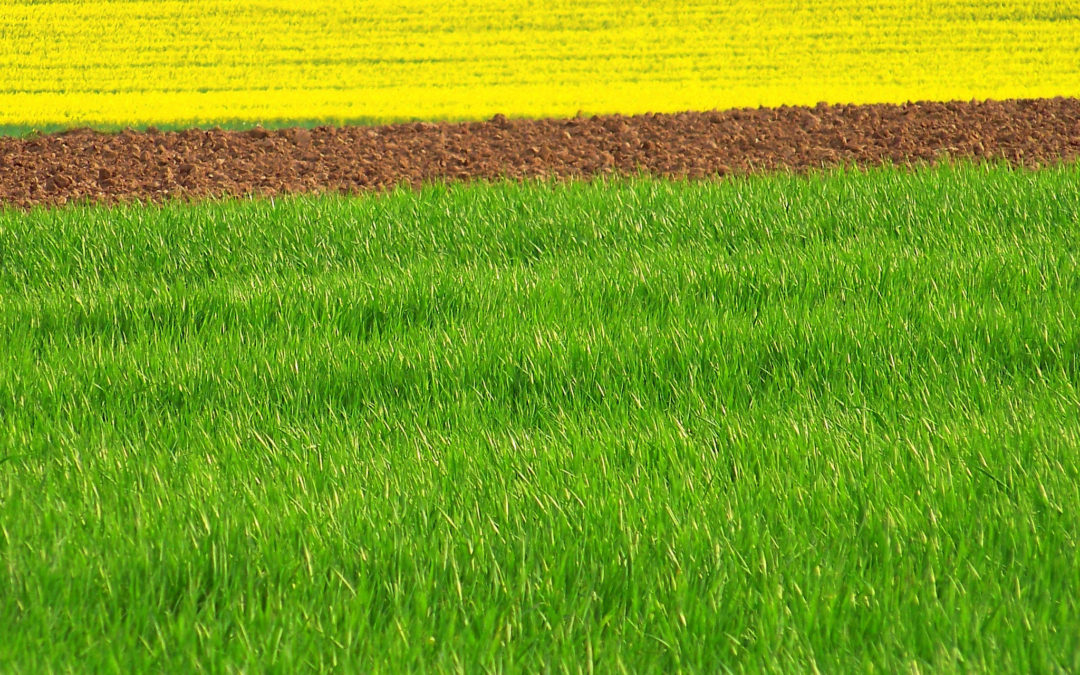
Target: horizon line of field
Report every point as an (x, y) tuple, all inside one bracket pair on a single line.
[(278, 123)]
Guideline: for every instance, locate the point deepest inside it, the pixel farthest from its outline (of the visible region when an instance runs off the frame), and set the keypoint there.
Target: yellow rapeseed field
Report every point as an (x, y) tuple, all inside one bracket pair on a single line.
[(115, 62)]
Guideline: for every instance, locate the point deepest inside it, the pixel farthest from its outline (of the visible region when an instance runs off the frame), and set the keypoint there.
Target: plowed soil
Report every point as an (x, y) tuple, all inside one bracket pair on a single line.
[(152, 165)]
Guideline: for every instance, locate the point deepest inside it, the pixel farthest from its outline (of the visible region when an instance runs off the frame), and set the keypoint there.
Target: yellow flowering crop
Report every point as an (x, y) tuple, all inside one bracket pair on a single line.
[(152, 62)]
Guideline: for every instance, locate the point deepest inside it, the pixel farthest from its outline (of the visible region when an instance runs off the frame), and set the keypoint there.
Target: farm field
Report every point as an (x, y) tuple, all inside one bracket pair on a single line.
[(640, 336), (175, 64), (772, 422), (83, 165)]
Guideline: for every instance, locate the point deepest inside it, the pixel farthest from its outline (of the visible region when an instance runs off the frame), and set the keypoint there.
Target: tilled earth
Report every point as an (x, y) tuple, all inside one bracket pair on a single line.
[(152, 165)]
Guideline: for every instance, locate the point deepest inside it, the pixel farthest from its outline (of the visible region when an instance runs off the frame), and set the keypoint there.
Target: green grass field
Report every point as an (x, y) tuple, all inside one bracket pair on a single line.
[(768, 423)]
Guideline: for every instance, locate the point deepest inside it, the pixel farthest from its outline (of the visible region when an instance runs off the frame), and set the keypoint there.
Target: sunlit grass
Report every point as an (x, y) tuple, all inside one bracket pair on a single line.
[(635, 425)]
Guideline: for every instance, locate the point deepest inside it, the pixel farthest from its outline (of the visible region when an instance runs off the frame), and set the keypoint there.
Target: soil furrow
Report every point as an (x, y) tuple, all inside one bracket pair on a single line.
[(152, 165)]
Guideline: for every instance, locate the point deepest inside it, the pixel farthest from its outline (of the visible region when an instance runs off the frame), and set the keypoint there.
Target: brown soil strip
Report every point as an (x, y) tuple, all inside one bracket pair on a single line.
[(86, 165)]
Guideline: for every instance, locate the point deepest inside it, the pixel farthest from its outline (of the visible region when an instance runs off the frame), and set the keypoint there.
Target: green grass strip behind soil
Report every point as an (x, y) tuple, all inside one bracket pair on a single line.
[(636, 425), (22, 130)]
